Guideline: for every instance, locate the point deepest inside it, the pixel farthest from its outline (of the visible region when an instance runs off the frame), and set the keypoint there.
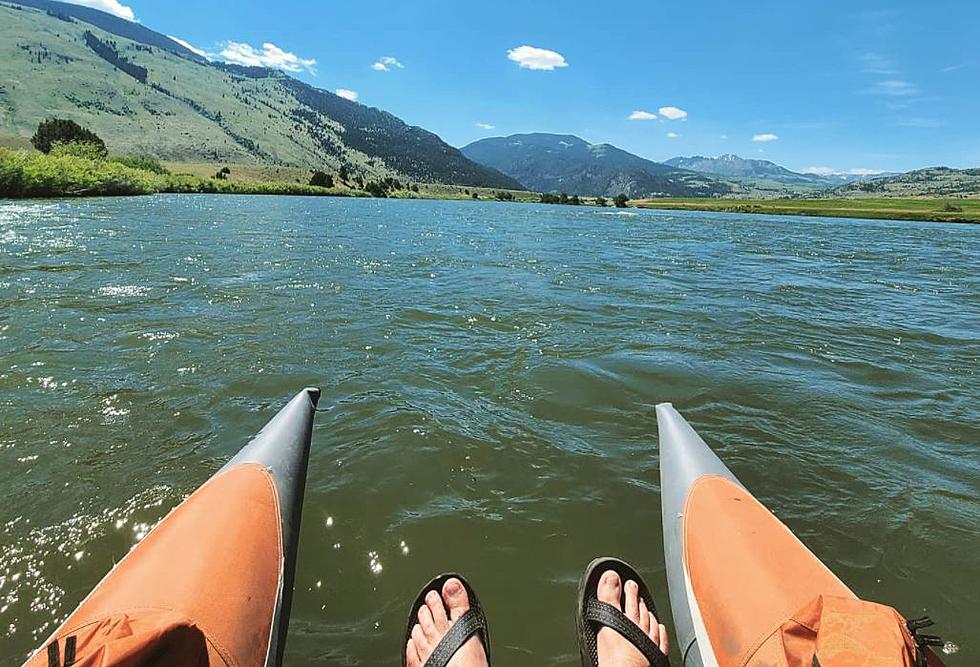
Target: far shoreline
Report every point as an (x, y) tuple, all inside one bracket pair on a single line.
[(907, 210)]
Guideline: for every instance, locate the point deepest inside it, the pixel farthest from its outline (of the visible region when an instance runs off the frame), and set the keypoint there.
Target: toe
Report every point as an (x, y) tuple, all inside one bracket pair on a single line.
[(412, 655), (632, 609), (438, 611), (610, 589), (454, 594), (421, 643), (428, 625), (662, 640), (644, 617)]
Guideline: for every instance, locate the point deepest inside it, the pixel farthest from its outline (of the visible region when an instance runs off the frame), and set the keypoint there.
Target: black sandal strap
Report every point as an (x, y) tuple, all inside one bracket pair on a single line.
[(467, 625), (607, 615)]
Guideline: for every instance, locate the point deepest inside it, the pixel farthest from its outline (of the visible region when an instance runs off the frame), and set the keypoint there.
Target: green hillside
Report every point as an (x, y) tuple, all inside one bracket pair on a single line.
[(931, 182), (144, 99)]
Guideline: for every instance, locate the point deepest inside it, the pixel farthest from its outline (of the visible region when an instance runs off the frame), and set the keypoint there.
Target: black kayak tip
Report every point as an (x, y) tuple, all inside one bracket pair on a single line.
[(314, 394)]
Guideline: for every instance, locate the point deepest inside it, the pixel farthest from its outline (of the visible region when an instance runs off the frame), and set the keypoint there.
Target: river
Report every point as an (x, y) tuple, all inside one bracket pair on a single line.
[(489, 376)]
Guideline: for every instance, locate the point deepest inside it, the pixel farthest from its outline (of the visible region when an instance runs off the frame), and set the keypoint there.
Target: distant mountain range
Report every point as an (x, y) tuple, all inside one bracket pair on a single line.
[(566, 163), (145, 94), (733, 166), (931, 182), (754, 170)]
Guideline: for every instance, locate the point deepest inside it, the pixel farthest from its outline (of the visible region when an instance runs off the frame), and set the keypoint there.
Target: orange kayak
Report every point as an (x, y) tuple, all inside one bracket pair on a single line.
[(212, 583), (744, 590)]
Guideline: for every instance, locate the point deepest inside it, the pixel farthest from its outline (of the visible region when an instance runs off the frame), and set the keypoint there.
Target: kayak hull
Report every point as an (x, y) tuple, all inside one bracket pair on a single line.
[(735, 573), (211, 583)]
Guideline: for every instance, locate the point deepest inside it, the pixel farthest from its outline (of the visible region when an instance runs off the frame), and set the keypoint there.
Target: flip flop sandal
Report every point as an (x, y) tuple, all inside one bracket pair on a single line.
[(593, 614), (472, 622)]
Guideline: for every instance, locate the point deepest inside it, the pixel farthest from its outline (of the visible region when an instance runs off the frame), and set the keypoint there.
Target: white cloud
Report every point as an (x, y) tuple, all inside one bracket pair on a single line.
[(385, 63), (894, 88), (724, 136), (486, 126), (270, 56), (672, 113), (767, 136), (821, 171), (347, 94), (190, 47), (108, 6), (531, 57), (672, 135), (642, 115), (875, 63), (864, 171)]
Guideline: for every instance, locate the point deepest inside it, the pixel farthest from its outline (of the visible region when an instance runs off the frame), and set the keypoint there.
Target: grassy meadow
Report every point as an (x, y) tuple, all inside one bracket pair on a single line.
[(929, 209)]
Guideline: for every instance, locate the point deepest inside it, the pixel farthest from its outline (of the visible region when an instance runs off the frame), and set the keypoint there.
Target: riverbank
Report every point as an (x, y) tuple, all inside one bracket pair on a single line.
[(931, 210), (26, 174)]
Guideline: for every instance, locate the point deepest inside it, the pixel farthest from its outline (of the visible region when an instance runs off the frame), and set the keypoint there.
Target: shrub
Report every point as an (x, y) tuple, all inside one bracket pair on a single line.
[(321, 180), (59, 130), (82, 149), (143, 162), (600, 201), (620, 200), (25, 175), (951, 208)]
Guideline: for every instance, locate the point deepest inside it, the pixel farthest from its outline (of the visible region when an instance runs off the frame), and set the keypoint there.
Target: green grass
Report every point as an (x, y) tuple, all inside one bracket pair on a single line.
[(930, 209)]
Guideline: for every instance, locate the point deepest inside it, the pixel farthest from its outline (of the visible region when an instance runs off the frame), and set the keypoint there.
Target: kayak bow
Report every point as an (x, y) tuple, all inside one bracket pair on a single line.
[(212, 583), (744, 590)]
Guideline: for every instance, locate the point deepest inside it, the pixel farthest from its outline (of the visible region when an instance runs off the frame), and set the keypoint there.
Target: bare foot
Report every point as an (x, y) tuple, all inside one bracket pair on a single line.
[(614, 650), (433, 623)]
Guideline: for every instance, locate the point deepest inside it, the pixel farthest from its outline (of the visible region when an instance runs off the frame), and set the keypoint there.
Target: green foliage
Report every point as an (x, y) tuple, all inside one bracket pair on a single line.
[(321, 179), (58, 130), (83, 149), (600, 201), (574, 200), (621, 201), (24, 174), (548, 198), (383, 188), (951, 208), (142, 162), (503, 195), (343, 174), (30, 175)]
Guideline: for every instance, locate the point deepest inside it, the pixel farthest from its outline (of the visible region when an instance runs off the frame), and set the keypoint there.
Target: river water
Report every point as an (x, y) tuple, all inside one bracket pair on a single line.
[(489, 376)]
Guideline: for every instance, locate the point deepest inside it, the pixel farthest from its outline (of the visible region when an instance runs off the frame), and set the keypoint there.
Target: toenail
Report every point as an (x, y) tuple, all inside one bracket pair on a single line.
[(453, 587), (432, 596)]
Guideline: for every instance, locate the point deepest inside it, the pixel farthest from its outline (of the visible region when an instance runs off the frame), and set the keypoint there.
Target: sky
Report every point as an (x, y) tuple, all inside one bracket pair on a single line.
[(827, 86)]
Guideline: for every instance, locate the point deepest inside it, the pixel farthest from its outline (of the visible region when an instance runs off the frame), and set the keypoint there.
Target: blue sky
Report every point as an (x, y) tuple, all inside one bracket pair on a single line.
[(835, 85)]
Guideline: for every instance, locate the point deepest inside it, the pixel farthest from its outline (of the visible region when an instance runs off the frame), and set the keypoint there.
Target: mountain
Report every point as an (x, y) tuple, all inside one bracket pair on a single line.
[(145, 94), (931, 182), (110, 23), (733, 166), (566, 163)]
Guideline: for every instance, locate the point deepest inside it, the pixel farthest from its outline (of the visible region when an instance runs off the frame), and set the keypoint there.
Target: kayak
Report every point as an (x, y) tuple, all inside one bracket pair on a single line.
[(745, 591), (212, 583)]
